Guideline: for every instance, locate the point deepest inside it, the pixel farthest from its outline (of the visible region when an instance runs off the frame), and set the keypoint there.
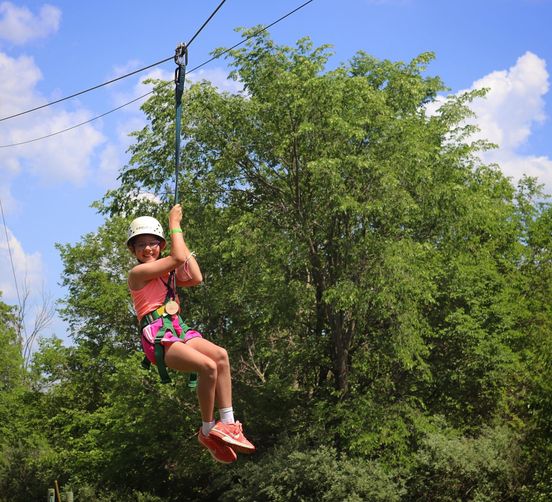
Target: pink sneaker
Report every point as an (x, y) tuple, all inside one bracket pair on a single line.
[(232, 435), (218, 450)]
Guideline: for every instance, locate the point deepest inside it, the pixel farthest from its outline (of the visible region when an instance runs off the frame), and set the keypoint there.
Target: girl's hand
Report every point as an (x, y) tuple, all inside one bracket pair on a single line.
[(175, 216)]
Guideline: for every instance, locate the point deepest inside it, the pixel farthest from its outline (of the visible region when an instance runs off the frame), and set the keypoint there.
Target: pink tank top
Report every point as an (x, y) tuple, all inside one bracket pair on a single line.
[(150, 297), (153, 294)]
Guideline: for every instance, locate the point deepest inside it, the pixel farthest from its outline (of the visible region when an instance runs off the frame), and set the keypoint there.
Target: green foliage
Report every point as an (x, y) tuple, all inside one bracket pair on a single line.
[(451, 467), (97, 308), (537, 288), (292, 472), (11, 361)]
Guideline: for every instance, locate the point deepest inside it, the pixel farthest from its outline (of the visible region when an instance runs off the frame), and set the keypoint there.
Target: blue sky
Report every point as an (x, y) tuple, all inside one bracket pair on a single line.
[(51, 50)]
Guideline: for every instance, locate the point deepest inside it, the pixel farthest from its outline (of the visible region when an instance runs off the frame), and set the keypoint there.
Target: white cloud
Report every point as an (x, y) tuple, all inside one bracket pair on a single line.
[(19, 25), (128, 67), (515, 102), (514, 165), (7, 200), (219, 78), (113, 156), (23, 284), (19, 78), (508, 114), (28, 269), (63, 157), (139, 88), (111, 161), (149, 198)]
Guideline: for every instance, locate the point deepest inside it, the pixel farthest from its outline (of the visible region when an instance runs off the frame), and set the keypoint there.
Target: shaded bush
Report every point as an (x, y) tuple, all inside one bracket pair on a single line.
[(452, 467), (317, 474)]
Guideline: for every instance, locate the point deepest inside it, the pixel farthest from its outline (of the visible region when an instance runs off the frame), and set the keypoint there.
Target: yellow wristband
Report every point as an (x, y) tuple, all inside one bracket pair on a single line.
[(176, 231)]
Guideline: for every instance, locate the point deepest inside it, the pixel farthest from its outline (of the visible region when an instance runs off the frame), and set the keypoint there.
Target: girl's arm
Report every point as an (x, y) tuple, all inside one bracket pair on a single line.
[(142, 273), (189, 274)]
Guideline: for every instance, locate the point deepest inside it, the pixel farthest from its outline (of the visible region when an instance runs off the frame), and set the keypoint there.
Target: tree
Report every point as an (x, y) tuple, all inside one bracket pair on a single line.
[(343, 188), (11, 364), (19, 442), (536, 287)]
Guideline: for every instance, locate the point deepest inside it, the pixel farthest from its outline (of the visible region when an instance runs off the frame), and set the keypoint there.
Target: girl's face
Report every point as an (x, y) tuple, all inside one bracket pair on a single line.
[(148, 248)]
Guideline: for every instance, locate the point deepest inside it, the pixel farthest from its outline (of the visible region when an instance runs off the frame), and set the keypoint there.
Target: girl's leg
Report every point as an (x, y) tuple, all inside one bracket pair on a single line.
[(230, 434), (223, 392), (184, 357)]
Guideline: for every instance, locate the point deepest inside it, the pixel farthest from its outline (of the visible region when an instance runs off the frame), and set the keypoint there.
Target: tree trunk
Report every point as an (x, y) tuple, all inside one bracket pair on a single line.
[(341, 342)]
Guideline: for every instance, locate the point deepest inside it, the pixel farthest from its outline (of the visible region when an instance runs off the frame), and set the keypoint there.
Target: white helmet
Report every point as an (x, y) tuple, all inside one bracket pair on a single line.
[(145, 225)]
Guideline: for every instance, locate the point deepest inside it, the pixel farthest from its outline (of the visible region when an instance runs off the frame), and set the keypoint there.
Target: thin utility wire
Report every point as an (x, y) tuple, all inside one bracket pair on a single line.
[(77, 125), (11, 257), (226, 51), (84, 91)]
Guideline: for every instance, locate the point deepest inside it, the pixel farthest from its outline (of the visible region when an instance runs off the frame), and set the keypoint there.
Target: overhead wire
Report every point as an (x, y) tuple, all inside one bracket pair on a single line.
[(11, 256), (268, 26), (116, 79), (200, 29), (80, 124), (45, 105), (226, 51)]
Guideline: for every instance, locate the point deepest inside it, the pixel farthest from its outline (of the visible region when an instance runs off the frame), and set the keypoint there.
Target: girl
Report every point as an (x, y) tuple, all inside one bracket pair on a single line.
[(180, 348)]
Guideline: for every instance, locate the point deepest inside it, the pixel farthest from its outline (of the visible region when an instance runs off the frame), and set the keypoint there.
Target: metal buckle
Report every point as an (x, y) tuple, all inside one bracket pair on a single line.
[(181, 54)]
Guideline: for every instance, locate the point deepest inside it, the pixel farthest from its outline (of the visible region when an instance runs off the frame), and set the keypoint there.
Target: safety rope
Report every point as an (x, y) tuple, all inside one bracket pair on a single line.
[(181, 60)]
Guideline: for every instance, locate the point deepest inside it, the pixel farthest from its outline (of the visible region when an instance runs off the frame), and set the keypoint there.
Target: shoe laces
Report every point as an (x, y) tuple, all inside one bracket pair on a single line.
[(235, 428)]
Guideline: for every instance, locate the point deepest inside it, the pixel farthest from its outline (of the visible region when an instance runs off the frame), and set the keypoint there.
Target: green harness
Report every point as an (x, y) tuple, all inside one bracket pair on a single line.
[(159, 349)]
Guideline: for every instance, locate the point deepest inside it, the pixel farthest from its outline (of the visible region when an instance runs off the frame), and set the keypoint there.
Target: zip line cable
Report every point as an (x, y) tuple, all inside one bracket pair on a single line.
[(84, 91), (11, 257), (226, 51), (93, 88), (268, 26), (205, 23)]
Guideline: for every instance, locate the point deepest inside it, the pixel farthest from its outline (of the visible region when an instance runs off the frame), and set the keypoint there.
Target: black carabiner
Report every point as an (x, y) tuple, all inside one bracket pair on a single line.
[(181, 54)]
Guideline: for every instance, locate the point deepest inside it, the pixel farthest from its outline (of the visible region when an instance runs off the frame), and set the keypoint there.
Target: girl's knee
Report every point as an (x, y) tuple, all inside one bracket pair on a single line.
[(208, 369), (222, 357)]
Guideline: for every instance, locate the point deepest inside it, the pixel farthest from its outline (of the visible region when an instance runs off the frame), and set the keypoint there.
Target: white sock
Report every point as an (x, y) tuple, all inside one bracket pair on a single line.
[(226, 415), (206, 427)]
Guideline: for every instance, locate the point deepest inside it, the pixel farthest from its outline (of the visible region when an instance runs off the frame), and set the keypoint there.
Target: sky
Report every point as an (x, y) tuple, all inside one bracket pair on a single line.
[(52, 50)]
